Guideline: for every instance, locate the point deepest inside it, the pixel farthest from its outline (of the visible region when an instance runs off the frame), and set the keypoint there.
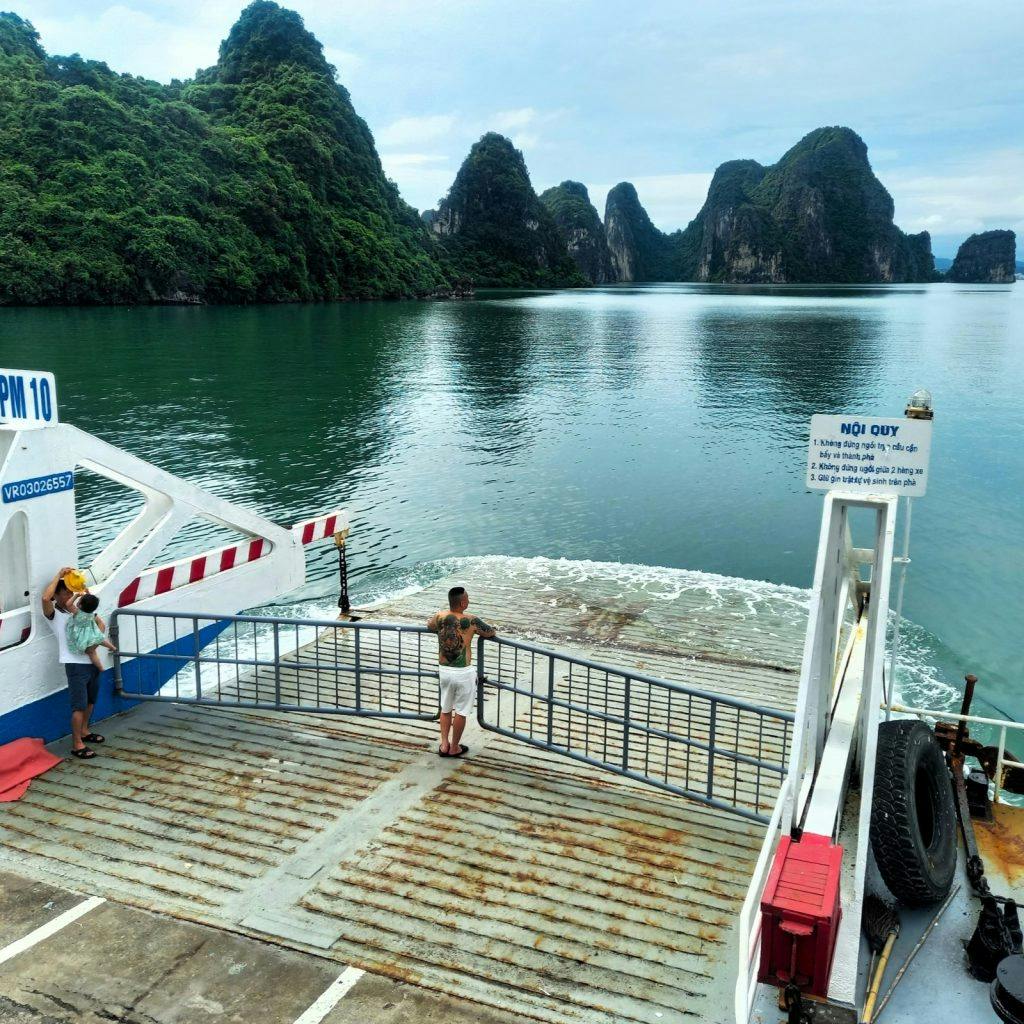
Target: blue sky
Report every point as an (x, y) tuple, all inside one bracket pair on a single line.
[(654, 91)]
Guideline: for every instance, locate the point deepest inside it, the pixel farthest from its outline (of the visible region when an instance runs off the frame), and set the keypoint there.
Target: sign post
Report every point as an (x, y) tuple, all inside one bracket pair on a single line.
[(876, 456), (28, 399), (869, 454)]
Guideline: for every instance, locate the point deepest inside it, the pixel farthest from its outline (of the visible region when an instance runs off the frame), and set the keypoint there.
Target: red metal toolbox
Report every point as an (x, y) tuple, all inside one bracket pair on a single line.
[(800, 914)]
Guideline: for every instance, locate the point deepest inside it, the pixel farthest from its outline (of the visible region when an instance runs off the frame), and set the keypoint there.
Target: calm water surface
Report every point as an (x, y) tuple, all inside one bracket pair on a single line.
[(661, 425)]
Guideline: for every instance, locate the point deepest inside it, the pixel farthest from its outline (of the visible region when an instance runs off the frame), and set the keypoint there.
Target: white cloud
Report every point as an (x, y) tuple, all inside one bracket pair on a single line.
[(510, 120), (346, 62), (962, 196), (413, 159), (415, 131), (132, 40), (422, 177), (526, 140), (753, 66)]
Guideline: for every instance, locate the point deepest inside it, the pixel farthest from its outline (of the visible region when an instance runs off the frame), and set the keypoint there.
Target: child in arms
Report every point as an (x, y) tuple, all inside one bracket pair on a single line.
[(86, 630)]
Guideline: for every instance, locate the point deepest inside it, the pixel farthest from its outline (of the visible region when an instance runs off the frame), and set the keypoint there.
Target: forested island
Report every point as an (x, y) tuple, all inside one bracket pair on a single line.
[(256, 181)]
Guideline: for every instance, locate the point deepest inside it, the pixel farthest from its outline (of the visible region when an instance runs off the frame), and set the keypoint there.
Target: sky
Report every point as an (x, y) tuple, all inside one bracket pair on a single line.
[(657, 92)]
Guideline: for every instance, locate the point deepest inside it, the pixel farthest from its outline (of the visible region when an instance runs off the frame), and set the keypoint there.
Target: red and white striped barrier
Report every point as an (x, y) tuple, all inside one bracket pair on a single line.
[(161, 579), (320, 528)]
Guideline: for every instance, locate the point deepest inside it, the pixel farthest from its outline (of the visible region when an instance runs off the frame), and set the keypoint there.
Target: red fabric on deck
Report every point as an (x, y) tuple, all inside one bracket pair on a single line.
[(20, 762)]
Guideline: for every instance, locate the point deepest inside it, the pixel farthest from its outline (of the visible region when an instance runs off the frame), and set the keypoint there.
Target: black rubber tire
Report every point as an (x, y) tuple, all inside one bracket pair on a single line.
[(913, 820)]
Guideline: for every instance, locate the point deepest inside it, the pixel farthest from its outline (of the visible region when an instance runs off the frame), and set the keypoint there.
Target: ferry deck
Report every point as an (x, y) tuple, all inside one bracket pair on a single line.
[(511, 884)]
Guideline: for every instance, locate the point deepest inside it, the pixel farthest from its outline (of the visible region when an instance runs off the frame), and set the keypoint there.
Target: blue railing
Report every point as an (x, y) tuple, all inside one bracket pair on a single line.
[(717, 750), (714, 749)]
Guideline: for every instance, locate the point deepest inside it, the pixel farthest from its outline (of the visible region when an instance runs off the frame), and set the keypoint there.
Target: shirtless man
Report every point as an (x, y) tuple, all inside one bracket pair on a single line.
[(455, 631)]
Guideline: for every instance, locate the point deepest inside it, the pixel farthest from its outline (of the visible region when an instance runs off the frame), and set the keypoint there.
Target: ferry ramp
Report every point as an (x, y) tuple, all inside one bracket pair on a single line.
[(515, 879)]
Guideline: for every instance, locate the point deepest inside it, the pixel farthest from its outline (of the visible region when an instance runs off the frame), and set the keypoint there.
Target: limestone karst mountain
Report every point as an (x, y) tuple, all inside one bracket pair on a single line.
[(581, 227), (986, 258), (255, 182), (494, 229)]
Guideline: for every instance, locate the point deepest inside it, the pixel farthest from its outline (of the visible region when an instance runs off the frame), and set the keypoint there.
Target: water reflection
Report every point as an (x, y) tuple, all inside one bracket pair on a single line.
[(797, 362), (620, 424)]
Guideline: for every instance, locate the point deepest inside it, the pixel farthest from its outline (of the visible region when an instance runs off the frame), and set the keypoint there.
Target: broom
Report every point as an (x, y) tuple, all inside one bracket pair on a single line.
[(881, 926)]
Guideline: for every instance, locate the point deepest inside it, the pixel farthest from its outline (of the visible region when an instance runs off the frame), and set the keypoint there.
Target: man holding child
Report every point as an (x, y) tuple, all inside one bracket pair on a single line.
[(65, 599)]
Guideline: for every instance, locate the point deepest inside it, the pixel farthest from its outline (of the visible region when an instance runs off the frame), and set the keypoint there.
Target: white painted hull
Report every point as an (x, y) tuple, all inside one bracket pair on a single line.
[(38, 535)]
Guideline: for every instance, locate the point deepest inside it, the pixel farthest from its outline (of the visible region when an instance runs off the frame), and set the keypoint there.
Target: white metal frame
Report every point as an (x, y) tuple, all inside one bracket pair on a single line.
[(29, 668), (829, 693), (749, 939)]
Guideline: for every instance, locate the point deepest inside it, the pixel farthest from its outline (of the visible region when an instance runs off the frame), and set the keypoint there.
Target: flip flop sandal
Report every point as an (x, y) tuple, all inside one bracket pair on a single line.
[(463, 749), (441, 753), (94, 737), (84, 754)]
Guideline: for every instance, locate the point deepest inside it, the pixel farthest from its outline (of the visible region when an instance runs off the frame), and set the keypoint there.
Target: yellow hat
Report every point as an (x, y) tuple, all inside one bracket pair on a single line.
[(75, 582)]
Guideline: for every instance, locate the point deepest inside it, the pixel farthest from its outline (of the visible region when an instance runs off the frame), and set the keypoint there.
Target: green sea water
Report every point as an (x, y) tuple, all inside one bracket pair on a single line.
[(661, 426)]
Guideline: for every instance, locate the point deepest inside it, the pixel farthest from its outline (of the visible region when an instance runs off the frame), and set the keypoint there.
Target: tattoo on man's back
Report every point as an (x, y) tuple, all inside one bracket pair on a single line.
[(450, 639)]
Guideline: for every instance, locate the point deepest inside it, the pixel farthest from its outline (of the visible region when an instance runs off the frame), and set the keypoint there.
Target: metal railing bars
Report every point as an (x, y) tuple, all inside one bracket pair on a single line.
[(627, 773), (721, 751), (710, 748), (271, 664), (685, 688), (715, 749), (274, 663)]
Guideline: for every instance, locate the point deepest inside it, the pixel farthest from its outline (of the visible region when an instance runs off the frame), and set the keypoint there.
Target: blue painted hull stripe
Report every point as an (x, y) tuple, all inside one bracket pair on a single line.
[(50, 716)]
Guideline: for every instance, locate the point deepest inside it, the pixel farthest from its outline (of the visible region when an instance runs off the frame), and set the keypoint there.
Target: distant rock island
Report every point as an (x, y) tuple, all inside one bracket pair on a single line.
[(818, 216), (987, 258), (257, 181), (640, 252), (493, 229), (582, 230)]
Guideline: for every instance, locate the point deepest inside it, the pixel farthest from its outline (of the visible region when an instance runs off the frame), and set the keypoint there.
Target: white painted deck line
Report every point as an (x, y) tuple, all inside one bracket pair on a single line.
[(50, 928), (331, 996)]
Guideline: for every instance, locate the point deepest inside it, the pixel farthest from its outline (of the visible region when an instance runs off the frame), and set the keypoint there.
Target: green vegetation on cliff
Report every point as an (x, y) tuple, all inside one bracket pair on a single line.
[(581, 227), (819, 215), (257, 181), (986, 258), (494, 229)]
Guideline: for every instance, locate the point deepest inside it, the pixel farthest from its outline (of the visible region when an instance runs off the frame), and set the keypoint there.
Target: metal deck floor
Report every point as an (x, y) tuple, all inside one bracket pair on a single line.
[(508, 879)]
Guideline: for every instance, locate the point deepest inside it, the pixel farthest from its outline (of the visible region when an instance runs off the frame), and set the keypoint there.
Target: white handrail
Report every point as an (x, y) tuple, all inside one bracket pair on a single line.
[(933, 713), (750, 921), (1002, 724)]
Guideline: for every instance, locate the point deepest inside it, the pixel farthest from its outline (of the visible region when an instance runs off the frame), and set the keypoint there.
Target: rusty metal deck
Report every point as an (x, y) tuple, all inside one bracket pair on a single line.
[(508, 879)]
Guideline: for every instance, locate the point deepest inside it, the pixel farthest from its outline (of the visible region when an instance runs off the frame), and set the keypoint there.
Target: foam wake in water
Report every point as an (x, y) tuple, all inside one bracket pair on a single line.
[(706, 610)]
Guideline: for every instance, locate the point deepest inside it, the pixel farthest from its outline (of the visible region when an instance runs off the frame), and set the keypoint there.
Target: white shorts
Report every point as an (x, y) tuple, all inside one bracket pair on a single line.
[(458, 689)]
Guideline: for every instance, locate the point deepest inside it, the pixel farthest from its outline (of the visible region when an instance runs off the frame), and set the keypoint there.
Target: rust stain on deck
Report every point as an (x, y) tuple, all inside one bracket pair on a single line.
[(1001, 842)]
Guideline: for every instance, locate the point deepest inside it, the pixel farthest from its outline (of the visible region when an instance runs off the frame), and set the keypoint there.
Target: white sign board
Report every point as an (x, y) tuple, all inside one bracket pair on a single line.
[(866, 453), (27, 399)]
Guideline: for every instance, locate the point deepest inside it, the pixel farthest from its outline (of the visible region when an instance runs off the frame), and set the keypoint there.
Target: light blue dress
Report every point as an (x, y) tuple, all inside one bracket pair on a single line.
[(83, 632)]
